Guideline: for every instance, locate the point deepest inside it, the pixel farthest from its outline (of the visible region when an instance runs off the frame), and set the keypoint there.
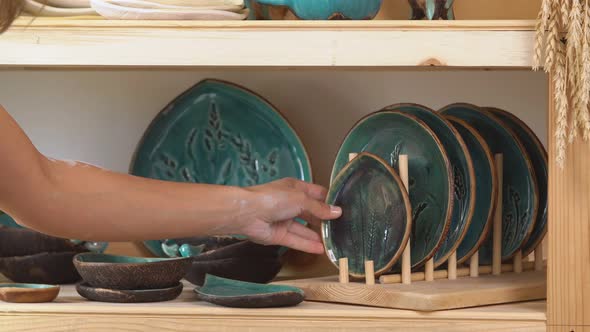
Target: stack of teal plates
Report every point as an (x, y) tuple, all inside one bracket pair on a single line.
[(452, 187)]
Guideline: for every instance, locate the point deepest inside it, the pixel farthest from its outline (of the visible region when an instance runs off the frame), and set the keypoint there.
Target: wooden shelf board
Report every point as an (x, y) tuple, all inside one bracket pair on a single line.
[(76, 313), (92, 43)]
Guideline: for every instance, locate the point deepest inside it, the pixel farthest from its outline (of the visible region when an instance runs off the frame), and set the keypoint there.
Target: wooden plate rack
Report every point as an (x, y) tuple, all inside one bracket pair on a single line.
[(433, 290)]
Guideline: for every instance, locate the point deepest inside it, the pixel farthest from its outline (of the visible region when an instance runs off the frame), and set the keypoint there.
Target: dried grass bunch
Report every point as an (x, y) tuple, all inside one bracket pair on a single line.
[(562, 47)]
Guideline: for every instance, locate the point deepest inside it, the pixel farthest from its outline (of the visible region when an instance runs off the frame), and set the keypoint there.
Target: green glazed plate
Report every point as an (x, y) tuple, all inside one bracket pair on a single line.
[(387, 135), (520, 193), (376, 216), (219, 133), (464, 194), (486, 189), (538, 157), (241, 294)]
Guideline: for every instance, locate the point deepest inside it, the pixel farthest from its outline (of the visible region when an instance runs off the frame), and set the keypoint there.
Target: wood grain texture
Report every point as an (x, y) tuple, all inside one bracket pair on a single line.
[(429, 296), (96, 44), (568, 281), (71, 312)]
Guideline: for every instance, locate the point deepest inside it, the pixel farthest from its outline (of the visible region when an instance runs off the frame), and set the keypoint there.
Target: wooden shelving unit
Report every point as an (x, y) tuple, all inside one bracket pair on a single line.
[(479, 45)]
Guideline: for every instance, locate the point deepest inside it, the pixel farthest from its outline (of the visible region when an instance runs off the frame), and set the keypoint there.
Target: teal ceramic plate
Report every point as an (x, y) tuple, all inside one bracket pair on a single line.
[(520, 194), (220, 133), (241, 294), (388, 134), (538, 157), (376, 216), (329, 9), (486, 189), (464, 194)]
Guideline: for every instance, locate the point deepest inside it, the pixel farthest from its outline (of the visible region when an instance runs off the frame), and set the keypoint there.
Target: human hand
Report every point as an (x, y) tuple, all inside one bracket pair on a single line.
[(277, 205)]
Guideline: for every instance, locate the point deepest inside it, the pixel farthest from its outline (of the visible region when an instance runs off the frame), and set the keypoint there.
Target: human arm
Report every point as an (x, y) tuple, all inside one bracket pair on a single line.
[(77, 200)]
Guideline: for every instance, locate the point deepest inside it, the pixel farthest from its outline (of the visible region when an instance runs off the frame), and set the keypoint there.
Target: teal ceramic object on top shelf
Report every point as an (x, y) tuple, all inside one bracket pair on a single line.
[(387, 135), (219, 133), (464, 194), (376, 216), (432, 9), (520, 192), (538, 157), (329, 9), (486, 189)]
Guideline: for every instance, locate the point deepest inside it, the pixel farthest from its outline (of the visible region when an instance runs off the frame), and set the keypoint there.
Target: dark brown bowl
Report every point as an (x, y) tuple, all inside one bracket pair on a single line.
[(23, 242), (43, 268), (244, 261), (131, 273), (128, 296)]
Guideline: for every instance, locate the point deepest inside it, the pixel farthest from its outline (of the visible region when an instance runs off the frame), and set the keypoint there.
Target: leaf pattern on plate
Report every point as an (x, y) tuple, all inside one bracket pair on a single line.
[(223, 150)]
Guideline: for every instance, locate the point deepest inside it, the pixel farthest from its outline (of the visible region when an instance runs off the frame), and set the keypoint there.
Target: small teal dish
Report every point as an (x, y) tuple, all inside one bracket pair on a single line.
[(219, 133), (486, 189), (376, 216), (388, 135), (241, 294), (520, 192), (538, 156), (329, 9), (464, 194)]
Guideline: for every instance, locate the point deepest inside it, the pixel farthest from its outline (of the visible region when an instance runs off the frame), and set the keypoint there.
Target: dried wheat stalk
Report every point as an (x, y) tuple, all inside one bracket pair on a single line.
[(569, 61)]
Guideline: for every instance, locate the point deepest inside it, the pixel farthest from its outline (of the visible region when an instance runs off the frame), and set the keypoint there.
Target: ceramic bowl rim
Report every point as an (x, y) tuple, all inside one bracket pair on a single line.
[(153, 260)]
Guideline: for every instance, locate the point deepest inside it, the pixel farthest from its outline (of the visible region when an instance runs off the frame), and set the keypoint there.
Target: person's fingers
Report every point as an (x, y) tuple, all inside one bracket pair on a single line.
[(321, 210), (296, 242), (304, 232), (312, 190)]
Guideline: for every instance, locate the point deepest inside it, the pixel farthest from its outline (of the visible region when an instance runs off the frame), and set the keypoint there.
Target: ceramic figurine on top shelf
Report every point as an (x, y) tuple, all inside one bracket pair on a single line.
[(432, 9)]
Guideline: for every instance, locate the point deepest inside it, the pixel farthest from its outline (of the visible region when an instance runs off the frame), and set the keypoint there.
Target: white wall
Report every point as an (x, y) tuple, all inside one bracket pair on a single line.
[(99, 116)]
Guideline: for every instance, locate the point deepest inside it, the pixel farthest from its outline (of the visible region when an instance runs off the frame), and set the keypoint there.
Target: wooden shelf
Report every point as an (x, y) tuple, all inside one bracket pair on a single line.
[(72, 312), (95, 43)]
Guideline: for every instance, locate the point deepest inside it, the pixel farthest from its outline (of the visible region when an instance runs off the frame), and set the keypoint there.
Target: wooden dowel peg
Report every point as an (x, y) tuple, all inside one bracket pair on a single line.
[(343, 265), (369, 273), (407, 265), (497, 230), (539, 257), (452, 266), (474, 265), (461, 272), (518, 262), (407, 255), (429, 270), (351, 156)]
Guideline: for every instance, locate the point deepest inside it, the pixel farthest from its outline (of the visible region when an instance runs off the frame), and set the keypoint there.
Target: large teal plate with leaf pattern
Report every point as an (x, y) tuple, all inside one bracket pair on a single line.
[(520, 198), (219, 133), (388, 134)]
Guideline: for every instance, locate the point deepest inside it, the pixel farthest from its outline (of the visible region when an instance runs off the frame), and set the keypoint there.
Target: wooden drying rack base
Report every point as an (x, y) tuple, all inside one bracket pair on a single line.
[(435, 295)]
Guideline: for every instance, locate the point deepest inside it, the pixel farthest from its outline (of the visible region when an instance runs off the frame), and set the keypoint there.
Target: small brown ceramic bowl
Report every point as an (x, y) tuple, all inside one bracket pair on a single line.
[(131, 273), (128, 296), (44, 268), (24, 242), (28, 293)]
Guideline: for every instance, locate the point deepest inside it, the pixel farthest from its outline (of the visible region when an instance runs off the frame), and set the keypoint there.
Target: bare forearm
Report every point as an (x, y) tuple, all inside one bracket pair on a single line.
[(77, 200)]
